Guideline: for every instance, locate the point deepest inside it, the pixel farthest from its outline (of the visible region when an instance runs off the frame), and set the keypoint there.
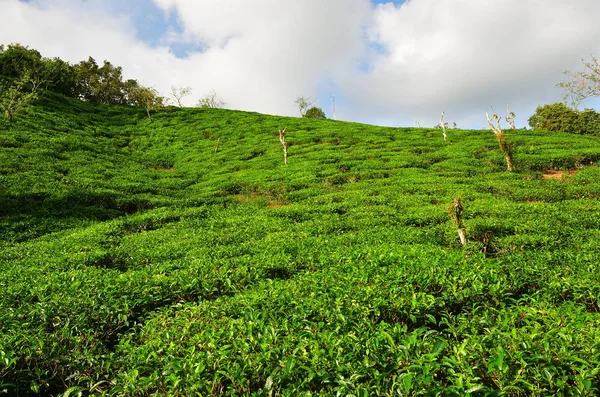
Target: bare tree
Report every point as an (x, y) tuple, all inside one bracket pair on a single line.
[(510, 119), (179, 93), (443, 126), (284, 144), (584, 84), (303, 103), (455, 210), (505, 148), (211, 100)]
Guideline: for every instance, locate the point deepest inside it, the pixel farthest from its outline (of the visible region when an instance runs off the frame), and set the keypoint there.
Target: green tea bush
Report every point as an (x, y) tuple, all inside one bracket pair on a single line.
[(136, 260)]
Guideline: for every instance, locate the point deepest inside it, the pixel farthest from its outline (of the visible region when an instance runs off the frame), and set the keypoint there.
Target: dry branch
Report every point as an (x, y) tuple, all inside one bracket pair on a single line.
[(510, 119), (504, 147), (443, 126), (284, 144), (455, 210)]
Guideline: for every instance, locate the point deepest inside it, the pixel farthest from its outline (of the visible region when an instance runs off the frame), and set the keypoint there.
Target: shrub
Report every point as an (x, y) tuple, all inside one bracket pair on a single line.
[(315, 113), (560, 117)]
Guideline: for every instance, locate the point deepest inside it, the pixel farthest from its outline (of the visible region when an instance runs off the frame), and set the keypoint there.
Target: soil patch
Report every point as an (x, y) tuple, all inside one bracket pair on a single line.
[(276, 205), (558, 174)]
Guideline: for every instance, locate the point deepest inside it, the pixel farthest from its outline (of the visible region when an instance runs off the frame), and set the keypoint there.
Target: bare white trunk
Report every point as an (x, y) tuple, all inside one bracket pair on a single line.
[(504, 147), (443, 126), (462, 236), (510, 119), (284, 144)]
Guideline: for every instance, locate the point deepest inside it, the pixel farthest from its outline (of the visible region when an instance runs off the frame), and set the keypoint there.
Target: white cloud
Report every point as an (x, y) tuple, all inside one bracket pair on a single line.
[(465, 55), (458, 55)]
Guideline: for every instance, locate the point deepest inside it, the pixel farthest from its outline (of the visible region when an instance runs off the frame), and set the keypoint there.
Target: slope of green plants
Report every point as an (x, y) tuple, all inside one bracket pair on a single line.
[(136, 259)]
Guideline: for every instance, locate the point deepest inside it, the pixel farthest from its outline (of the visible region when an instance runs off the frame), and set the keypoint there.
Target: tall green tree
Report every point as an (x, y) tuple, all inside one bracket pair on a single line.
[(56, 74), (560, 117), (100, 84)]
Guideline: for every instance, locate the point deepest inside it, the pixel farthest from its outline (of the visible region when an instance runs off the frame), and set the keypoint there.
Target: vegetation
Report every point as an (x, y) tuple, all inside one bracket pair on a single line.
[(584, 84), (86, 80), (15, 95), (211, 101), (315, 113), (560, 117), (303, 103), (135, 259)]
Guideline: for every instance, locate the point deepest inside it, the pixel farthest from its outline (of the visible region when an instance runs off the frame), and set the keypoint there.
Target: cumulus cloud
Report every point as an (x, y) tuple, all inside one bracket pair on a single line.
[(387, 64), (465, 55)]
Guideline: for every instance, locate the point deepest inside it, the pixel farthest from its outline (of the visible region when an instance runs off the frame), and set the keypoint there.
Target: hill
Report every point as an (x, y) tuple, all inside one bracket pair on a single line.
[(136, 259)]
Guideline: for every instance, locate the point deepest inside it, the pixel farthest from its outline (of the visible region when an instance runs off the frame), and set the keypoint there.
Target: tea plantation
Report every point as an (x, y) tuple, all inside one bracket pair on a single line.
[(137, 258)]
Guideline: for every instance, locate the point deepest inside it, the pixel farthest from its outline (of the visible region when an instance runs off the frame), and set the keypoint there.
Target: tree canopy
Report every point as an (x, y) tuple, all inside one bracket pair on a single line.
[(86, 80)]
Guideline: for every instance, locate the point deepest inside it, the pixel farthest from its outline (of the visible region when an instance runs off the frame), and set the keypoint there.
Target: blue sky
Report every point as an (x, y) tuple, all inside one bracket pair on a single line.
[(396, 65), (151, 23)]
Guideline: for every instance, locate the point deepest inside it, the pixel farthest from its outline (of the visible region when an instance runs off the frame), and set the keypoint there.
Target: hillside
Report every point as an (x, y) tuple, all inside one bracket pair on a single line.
[(135, 259)]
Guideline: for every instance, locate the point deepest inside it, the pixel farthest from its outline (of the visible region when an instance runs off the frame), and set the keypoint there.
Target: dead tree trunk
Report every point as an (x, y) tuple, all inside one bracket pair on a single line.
[(443, 126), (455, 210), (284, 144), (504, 147), (510, 119)]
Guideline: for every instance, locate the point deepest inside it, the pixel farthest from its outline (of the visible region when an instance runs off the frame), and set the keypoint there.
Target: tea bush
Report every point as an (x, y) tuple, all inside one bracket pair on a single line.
[(136, 260)]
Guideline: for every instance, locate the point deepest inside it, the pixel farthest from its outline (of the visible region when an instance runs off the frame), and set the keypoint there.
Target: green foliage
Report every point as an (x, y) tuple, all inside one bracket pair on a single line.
[(85, 80), (314, 113), (15, 95), (560, 117), (136, 260), (54, 74), (103, 84)]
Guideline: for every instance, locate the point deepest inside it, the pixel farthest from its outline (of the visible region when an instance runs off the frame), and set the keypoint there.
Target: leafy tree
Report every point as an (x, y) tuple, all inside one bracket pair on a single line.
[(57, 75), (584, 84), (211, 101), (17, 94), (148, 98), (589, 121), (16, 60), (315, 113), (303, 103), (100, 84), (560, 117)]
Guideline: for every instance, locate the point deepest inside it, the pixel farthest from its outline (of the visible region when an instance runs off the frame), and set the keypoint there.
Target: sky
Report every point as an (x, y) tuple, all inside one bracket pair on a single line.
[(394, 63)]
